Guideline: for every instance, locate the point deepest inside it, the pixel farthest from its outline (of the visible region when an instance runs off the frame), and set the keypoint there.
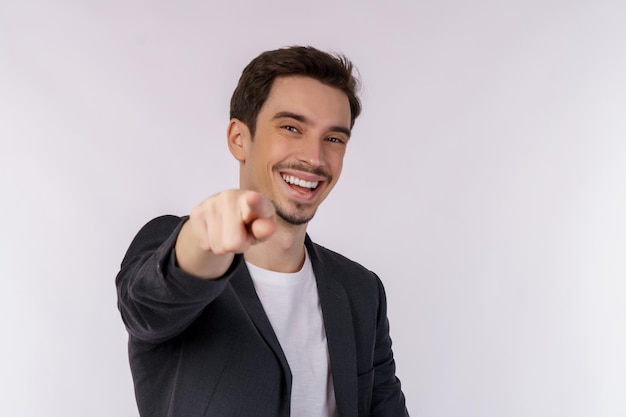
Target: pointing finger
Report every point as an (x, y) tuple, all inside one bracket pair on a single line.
[(256, 206)]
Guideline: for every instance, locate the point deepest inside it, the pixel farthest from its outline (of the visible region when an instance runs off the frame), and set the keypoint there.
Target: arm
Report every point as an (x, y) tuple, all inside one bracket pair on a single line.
[(175, 267), (156, 298)]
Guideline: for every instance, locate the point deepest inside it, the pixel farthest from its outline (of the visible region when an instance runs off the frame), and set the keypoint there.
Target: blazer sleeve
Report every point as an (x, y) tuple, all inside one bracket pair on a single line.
[(157, 299), (387, 397)]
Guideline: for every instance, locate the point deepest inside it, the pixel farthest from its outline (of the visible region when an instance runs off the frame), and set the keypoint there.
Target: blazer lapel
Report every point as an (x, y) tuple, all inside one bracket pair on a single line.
[(243, 286), (339, 333)]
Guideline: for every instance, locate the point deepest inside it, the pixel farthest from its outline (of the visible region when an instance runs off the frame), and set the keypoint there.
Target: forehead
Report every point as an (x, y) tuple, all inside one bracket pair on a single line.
[(310, 98)]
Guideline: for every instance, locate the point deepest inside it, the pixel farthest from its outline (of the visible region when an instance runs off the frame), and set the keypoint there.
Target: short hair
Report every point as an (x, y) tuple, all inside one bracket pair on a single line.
[(257, 78)]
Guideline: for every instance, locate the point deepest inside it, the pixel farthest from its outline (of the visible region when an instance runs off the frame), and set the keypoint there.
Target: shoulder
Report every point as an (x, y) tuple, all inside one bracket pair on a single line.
[(346, 271), (159, 225), (158, 232), (329, 256)]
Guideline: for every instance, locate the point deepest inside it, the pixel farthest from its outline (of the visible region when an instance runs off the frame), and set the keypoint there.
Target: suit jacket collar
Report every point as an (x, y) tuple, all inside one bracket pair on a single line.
[(339, 330), (338, 323), (242, 283)]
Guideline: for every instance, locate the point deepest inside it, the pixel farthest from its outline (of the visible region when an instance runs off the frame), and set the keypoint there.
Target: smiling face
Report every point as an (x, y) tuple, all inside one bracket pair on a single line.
[(296, 155)]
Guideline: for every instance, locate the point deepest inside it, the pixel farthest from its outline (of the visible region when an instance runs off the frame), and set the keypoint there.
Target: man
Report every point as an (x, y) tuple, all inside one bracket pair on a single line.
[(233, 311)]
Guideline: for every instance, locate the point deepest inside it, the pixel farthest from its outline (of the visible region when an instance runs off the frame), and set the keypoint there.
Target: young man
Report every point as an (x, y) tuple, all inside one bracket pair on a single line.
[(233, 311)]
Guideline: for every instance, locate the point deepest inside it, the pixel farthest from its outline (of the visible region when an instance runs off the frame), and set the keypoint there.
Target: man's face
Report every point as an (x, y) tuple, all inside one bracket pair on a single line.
[(296, 155)]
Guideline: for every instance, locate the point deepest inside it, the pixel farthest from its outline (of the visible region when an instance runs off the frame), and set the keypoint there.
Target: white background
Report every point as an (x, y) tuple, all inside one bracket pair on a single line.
[(485, 184)]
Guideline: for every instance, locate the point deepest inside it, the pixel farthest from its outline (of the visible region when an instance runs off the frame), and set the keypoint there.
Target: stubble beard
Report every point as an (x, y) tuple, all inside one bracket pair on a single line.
[(295, 219)]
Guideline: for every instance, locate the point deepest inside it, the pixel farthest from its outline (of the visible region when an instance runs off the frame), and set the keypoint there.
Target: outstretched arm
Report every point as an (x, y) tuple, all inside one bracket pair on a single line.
[(175, 267)]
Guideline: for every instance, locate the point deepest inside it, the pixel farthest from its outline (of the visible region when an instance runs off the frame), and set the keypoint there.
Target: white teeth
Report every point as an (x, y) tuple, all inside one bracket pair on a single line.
[(302, 183)]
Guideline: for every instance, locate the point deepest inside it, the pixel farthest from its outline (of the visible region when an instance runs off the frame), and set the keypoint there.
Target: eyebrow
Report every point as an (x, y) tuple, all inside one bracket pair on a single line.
[(303, 119)]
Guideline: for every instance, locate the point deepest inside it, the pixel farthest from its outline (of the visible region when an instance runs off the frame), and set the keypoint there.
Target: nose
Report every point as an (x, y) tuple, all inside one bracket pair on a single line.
[(311, 152)]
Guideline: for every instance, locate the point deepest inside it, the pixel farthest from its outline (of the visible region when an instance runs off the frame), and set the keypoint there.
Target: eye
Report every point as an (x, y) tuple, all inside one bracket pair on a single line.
[(291, 129), (334, 139)]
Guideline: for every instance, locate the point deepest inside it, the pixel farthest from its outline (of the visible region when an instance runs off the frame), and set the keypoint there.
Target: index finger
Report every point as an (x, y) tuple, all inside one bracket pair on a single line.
[(256, 206)]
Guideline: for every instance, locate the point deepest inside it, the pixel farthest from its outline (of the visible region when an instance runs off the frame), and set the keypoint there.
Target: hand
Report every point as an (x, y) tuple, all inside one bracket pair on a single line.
[(221, 226), (231, 221)]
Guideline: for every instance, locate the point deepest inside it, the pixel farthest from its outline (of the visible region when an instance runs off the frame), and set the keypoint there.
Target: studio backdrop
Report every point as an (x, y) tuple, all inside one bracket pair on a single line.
[(485, 183)]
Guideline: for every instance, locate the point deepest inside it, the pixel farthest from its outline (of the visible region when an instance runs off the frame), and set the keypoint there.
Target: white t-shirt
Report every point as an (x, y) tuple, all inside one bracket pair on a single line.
[(292, 305)]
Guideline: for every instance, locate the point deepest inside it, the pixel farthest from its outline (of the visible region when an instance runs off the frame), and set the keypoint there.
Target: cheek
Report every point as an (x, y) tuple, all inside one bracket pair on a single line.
[(335, 161)]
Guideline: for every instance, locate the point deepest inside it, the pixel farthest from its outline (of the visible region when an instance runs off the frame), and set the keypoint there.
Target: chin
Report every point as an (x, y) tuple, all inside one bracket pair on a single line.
[(294, 219)]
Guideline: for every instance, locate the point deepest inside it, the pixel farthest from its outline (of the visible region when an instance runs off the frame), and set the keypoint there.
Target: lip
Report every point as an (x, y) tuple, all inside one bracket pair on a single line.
[(296, 195), (306, 176)]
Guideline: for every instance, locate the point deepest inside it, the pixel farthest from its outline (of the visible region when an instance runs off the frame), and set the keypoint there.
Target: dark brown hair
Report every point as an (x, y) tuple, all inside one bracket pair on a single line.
[(258, 76)]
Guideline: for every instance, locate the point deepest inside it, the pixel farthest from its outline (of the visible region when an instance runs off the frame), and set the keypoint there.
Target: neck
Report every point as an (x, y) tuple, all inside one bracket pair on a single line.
[(282, 252)]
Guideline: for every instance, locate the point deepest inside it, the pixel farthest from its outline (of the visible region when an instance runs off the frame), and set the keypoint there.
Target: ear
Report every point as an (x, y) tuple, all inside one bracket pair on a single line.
[(238, 136)]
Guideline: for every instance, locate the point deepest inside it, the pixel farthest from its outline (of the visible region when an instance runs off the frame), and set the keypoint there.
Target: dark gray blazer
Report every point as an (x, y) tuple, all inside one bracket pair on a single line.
[(201, 348)]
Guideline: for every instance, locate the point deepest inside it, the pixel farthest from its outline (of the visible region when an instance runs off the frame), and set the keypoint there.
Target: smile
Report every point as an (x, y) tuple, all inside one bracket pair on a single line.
[(290, 179)]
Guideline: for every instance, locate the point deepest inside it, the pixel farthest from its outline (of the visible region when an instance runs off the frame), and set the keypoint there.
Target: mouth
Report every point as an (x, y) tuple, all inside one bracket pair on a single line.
[(301, 186), (300, 183)]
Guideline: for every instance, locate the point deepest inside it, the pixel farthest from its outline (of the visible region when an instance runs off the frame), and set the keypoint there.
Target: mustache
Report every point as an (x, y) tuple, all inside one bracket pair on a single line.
[(320, 171)]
